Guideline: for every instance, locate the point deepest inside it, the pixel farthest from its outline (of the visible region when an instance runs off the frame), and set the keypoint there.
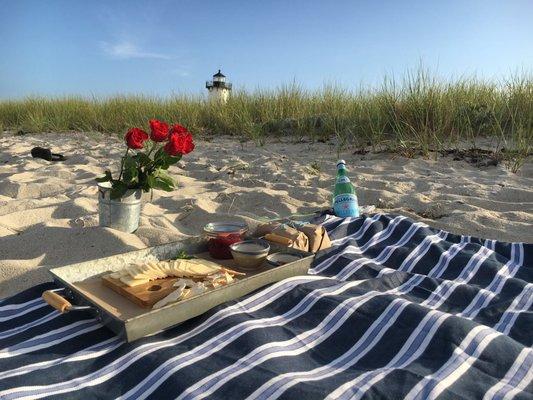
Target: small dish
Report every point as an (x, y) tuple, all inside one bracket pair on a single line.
[(250, 254), (278, 259)]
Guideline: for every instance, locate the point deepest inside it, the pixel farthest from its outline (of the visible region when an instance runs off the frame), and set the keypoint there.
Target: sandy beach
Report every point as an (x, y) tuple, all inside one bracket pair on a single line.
[(48, 211)]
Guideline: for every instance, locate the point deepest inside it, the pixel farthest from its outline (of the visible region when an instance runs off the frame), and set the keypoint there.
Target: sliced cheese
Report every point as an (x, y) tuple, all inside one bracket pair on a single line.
[(155, 273), (154, 265), (194, 268), (138, 272), (152, 273), (165, 268), (128, 280)]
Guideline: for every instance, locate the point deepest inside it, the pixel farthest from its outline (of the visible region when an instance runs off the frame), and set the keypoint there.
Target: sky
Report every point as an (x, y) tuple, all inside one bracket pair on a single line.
[(161, 48)]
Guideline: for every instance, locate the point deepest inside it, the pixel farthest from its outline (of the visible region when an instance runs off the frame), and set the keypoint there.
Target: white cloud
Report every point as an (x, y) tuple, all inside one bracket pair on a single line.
[(127, 50)]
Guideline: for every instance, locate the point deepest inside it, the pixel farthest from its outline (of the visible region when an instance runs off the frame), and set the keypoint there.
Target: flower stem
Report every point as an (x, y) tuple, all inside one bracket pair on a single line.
[(122, 164), (152, 149)]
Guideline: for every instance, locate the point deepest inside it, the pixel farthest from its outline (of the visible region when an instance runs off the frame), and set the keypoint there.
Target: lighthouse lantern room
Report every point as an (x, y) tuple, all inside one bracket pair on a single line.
[(219, 89)]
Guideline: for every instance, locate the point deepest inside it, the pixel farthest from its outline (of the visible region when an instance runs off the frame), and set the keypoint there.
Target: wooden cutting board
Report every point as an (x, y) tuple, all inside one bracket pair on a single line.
[(145, 295)]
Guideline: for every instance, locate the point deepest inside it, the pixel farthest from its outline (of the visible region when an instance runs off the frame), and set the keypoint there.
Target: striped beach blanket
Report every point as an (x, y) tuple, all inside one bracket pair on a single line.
[(394, 310)]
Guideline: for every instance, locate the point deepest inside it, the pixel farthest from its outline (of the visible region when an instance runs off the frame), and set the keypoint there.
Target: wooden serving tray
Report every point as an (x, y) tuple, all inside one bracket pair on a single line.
[(127, 310)]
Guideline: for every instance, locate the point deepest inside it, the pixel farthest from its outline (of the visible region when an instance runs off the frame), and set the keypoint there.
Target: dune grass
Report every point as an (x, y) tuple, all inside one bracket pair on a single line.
[(414, 116)]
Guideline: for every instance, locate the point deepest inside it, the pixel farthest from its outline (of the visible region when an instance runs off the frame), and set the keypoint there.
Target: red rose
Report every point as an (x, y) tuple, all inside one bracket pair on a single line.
[(135, 138), (159, 130), (178, 129), (179, 141)]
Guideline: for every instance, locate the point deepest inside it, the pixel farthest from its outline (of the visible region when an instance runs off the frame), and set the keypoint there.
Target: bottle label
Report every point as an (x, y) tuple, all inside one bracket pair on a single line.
[(343, 179), (346, 205)]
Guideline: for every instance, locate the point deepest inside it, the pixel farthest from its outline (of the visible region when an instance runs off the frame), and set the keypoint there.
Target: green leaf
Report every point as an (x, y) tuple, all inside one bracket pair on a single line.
[(164, 161), (163, 185), (130, 171), (163, 175), (182, 255), (118, 190), (163, 181), (159, 155), (174, 159), (143, 181), (143, 159), (106, 178), (150, 183)]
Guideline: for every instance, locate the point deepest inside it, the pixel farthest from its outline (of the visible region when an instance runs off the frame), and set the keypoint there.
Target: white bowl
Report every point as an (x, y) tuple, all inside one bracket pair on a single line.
[(250, 254)]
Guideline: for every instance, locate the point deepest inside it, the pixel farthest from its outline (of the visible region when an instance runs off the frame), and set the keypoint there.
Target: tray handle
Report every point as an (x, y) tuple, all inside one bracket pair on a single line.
[(60, 303)]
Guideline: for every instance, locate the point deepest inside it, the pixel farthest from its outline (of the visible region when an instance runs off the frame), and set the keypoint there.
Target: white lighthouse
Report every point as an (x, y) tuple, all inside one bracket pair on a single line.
[(218, 88)]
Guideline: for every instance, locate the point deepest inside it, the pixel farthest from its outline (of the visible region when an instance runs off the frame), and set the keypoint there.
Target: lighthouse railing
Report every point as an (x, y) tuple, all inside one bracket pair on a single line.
[(222, 85)]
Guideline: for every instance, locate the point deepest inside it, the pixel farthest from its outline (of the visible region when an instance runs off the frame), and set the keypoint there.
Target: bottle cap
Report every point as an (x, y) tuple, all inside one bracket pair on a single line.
[(341, 162)]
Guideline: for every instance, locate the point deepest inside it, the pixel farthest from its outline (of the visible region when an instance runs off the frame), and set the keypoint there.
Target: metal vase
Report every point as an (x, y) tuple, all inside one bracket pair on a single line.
[(121, 214)]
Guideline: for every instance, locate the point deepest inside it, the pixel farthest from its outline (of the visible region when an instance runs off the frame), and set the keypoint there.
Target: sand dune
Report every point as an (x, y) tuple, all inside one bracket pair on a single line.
[(48, 211)]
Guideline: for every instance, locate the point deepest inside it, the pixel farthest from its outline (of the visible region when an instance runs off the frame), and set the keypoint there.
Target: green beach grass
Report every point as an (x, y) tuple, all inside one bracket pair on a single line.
[(418, 115)]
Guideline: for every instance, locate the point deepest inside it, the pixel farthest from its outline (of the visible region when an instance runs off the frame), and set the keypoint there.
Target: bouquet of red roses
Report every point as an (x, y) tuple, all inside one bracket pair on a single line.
[(147, 169)]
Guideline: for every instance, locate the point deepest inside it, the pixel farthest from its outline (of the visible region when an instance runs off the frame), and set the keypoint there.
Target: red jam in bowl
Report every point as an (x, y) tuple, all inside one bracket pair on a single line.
[(219, 247), (221, 235)]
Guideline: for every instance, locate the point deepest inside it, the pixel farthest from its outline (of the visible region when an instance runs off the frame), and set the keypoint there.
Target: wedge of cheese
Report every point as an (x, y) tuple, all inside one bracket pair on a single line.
[(172, 297), (195, 290)]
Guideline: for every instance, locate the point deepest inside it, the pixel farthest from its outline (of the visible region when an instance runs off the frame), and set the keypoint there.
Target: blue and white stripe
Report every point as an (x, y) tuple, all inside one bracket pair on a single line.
[(394, 309)]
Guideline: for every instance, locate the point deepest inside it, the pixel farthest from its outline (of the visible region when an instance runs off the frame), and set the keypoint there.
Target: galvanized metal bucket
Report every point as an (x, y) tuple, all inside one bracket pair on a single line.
[(122, 214)]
